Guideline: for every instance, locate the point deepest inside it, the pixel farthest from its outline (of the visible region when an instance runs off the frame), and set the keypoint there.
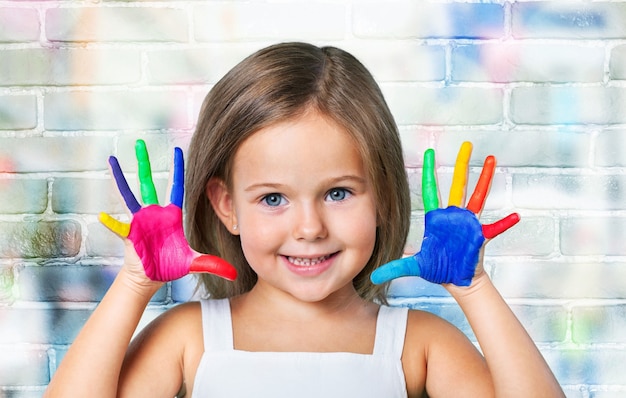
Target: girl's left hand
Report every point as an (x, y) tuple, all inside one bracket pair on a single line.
[(156, 232), (453, 237)]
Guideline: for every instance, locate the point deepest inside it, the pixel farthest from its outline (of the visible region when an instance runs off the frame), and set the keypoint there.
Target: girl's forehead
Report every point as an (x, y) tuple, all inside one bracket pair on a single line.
[(311, 128), (310, 142)]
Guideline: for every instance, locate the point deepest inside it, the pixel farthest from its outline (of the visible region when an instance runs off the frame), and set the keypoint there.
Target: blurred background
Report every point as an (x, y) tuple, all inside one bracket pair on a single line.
[(539, 84)]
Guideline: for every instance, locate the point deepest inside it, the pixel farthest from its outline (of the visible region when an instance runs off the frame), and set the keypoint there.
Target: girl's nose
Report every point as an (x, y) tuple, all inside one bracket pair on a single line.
[(309, 224)]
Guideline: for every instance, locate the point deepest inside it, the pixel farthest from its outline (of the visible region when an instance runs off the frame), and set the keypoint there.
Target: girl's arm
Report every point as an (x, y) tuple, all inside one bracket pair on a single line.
[(92, 365), (451, 255), (517, 367), (156, 251)]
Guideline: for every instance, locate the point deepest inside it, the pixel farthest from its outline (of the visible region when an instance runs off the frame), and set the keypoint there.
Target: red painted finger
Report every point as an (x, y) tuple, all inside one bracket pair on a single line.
[(477, 201), (492, 230), (213, 265)]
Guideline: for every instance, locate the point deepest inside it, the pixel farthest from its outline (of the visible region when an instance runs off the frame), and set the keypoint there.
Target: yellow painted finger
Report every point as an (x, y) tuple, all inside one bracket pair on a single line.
[(120, 228), (459, 180)]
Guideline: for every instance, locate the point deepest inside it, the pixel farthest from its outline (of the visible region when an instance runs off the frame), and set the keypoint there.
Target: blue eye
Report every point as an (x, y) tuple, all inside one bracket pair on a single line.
[(337, 194), (273, 199)]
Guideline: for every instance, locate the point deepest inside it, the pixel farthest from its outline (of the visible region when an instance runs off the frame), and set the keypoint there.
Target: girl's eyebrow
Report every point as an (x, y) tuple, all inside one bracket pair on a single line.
[(264, 185), (347, 178), (355, 179)]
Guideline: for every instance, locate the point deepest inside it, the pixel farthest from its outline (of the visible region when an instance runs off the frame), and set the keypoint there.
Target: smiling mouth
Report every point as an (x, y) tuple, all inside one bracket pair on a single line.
[(307, 262)]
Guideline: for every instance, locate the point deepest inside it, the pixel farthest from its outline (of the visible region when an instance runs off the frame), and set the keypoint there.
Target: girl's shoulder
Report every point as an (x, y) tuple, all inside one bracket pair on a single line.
[(180, 324), (435, 349), (425, 329), (170, 321), (172, 339)]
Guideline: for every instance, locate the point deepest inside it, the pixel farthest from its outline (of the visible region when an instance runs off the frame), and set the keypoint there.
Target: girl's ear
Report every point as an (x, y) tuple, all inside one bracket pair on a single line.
[(222, 203)]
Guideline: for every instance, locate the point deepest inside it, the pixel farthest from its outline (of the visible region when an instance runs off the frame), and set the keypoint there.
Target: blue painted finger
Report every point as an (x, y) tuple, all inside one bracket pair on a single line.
[(122, 185), (407, 266), (178, 183)]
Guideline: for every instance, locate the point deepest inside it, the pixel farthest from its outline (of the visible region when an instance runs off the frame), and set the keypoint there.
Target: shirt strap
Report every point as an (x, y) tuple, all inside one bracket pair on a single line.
[(390, 331), (217, 327)]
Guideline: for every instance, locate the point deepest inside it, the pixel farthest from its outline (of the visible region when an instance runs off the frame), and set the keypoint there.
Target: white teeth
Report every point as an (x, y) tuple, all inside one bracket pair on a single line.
[(306, 262)]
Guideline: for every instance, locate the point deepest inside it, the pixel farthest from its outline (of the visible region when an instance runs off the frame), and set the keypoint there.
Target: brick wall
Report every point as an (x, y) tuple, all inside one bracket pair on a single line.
[(541, 85)]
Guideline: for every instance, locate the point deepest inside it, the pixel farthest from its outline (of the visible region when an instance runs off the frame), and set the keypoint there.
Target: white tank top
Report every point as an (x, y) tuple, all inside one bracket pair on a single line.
[(224, 372)]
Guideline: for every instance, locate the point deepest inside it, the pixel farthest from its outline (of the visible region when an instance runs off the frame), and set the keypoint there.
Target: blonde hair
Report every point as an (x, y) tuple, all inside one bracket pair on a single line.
[(275, 84)]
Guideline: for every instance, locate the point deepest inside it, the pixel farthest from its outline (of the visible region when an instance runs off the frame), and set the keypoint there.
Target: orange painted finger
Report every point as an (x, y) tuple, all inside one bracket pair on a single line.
[(120, 228), (477, 201), (459, 179)]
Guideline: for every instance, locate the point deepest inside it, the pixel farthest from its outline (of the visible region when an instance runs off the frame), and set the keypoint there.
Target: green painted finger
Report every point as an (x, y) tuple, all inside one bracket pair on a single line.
[(430, 194), (148, 192)]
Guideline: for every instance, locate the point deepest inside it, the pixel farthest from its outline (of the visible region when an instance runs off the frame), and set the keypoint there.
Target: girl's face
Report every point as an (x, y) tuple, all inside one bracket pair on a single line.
[(304, 207)]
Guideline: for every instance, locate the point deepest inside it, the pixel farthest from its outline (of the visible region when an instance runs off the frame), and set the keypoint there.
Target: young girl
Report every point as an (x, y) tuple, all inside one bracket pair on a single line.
[(296, 178)]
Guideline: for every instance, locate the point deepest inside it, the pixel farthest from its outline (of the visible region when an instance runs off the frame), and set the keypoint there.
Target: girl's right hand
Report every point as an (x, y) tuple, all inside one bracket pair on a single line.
[(156, 246)]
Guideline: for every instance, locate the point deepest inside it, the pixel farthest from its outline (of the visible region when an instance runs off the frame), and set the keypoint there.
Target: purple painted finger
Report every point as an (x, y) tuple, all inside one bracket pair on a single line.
[(178, 182), (122, 185)]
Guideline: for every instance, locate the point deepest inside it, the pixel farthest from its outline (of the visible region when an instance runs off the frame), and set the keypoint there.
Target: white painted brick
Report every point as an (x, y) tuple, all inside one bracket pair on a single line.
[(23, 392), (518, 148), (19, 112), (40, 239), (48, 154), (23, 196), (116, 24), (85, 196), (591, 366), (444, 106), (601, 235), (41, 326), (560, 279), (544, 105), (588, 192), (20, 365), (69, 283), (195, 65), (607, 391), (18, 24), (408, 19), (232, 21), (609, 149), (115, 110), (69, 67), (568, 20), (415, 141), (599, 324), (402, 60), (545, 323), (101, 242), (617, 64), (518, 62)]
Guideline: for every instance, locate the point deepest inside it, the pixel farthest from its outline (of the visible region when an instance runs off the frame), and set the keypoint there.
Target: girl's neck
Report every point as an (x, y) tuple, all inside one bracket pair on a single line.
[(277, 304), (264, 320)]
